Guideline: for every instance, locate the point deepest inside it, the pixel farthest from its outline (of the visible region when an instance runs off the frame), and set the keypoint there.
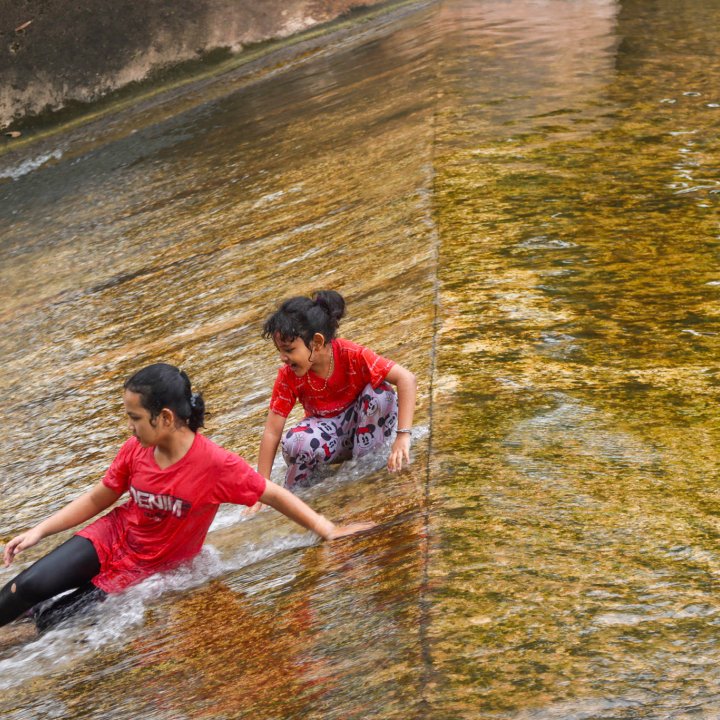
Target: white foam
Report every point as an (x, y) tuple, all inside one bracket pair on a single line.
[(110, 621), (27, 166)]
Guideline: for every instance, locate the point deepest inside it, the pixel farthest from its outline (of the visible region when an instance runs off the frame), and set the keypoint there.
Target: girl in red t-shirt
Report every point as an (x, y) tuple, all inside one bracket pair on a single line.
[(350, 407), (176, 479)]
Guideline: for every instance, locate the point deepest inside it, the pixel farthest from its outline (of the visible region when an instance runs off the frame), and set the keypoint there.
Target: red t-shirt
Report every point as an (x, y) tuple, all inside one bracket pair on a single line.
[(169, 511), (355, 367)]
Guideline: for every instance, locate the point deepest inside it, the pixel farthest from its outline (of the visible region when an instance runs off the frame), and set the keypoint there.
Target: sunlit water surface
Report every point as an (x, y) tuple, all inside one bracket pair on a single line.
[(519, 201)]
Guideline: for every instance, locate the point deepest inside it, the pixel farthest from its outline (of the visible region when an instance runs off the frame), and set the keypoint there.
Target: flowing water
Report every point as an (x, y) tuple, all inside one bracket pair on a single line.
[(519, 201)]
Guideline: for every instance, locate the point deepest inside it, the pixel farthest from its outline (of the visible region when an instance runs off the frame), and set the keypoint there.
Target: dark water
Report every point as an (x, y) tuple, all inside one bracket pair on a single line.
[(519, 201)]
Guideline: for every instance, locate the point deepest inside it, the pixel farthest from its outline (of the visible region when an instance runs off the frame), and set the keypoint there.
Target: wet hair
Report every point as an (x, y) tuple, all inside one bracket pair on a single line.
[(302, 317), (165, 386)]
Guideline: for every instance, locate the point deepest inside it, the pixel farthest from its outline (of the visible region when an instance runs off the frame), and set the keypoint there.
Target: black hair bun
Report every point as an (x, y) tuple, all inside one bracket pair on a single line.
[(332, 302)]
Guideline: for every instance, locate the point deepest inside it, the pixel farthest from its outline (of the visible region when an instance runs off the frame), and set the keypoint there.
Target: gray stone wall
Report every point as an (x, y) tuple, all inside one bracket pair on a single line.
[(56, 51)]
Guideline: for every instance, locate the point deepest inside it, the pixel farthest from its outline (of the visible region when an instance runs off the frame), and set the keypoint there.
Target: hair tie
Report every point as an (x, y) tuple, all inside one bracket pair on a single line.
[(194, 400)]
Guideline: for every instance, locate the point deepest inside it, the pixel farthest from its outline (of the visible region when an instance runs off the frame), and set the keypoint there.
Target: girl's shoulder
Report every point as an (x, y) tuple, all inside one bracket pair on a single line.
[(214, 457), (205, 449), (359, 358), (353, 352), (348, 347)]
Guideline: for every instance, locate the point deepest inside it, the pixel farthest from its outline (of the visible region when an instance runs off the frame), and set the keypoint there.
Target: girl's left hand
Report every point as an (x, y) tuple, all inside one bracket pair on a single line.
[(351, 529), (400, 451)]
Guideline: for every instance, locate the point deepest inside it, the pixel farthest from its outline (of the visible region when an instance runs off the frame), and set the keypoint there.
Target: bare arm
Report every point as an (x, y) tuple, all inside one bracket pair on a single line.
[(88, 505), (294, 508), (406, 391), (269, 444)]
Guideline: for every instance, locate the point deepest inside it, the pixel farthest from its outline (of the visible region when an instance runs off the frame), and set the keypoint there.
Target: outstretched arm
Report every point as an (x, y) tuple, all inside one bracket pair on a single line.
[(293, 507), (269, 444), (406, 391), (88, 505), (268, 447)]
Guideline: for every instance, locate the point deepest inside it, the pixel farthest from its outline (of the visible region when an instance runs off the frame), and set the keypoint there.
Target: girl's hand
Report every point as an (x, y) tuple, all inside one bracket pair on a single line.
[(20, 543), (400, 451), (351, 529), (248, 511)]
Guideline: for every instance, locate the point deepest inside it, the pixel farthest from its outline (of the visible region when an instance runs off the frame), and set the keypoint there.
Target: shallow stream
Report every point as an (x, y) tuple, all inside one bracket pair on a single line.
[(519, 201)]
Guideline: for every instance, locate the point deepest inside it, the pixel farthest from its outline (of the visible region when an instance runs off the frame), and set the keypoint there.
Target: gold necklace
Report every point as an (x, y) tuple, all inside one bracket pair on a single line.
[(332, 367)]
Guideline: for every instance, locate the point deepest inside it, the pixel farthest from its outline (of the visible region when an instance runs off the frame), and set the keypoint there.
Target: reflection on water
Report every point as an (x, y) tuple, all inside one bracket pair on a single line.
[(549, 169), (577, 210)]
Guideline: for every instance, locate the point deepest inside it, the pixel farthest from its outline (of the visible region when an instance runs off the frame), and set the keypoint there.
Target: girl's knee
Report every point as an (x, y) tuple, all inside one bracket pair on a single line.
[(311, 444), (12, 604), (377, 403), (386, 397), (28, 586), (296, 441)]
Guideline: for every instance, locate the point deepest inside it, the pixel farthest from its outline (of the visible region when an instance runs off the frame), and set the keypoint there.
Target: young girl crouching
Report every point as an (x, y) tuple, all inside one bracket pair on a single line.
[(344, 388)]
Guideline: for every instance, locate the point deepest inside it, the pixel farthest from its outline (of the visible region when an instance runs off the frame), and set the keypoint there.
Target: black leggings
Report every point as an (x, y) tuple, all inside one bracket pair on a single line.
[(70, 566)]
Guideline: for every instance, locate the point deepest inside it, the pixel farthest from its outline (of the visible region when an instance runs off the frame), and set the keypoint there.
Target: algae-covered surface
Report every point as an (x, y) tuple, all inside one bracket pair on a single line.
[(520, 203)]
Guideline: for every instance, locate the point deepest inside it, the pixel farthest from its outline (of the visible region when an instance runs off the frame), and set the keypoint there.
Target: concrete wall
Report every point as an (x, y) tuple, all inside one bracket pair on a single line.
[(55, 51)]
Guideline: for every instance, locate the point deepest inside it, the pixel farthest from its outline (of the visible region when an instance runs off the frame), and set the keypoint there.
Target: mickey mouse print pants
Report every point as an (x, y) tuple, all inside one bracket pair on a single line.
[(361, 428)]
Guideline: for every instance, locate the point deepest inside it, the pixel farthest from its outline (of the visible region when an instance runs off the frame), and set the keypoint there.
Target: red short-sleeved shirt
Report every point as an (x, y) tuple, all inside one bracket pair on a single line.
[(169, 511), (355, 367)]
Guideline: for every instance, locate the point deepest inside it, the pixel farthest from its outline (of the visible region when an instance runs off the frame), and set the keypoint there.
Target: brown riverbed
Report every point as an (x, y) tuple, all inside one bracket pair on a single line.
[(519, 201)]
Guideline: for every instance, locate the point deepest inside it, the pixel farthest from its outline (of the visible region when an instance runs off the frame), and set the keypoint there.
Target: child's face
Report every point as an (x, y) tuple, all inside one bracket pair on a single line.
[(294, 353), (147, 431)]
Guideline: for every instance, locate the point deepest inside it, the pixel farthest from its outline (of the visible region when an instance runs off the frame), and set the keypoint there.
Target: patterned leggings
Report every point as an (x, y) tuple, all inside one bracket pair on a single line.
[(351, 434)]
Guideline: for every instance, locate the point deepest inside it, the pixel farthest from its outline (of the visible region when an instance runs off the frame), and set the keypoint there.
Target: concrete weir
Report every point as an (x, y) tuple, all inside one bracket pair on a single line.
[(55, 53)]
